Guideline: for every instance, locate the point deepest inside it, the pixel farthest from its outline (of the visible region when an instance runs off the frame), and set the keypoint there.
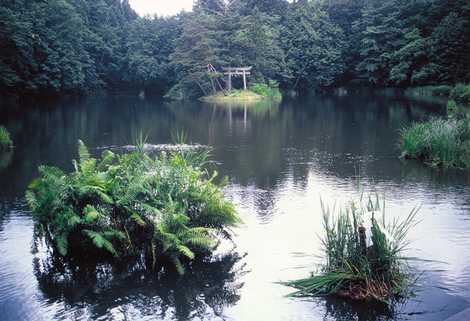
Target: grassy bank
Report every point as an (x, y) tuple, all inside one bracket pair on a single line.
[(438, 142), (233, 96), (442, 142), (459, 92), (5, 139), (256, 92), (354, 268), (165, 210)]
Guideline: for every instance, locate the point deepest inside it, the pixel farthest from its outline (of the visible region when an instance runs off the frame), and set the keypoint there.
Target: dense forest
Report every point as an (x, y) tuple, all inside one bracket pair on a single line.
[(50, 47)]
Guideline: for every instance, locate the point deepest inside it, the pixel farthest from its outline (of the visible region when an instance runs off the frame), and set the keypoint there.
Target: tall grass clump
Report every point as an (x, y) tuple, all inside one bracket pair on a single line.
[(5, 139), (361, 263), (164, 210), (439, 142)]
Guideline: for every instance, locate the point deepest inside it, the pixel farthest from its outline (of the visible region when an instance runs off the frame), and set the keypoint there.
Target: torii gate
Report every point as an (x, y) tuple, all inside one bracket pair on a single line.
[(236, 71)]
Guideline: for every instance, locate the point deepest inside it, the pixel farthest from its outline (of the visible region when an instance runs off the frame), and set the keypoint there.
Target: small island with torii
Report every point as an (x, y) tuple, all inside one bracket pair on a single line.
[(223, 91)]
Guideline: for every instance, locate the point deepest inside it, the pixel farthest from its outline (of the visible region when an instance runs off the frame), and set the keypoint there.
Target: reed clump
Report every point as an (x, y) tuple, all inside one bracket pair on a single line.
[(160, 209), (439, 142), (361, 263)]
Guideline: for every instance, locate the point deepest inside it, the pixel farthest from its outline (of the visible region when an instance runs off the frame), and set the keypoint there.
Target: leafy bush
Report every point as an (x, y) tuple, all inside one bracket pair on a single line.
[(461, 93), (438, 142), (451, 107), (266, 90), (455, 111), (5, 140), (354, 269), (164, 208)]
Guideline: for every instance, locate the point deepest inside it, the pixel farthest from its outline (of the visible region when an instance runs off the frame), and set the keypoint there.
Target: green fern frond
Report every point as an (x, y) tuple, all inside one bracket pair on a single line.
[(62, 244), (73, 220), (100, 241), (178, 265), (138, 219), (151, 210), (114, 234), (31, 200), (203, 242), (83, 153), (107, 158), (90, 214), (184, 250), (105, 198)]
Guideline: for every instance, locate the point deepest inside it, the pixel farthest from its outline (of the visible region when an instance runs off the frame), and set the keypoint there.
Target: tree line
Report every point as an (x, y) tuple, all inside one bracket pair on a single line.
[(75, 46)]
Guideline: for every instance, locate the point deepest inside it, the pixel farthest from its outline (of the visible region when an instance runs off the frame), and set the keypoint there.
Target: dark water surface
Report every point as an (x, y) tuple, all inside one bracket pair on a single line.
[(280, 159)]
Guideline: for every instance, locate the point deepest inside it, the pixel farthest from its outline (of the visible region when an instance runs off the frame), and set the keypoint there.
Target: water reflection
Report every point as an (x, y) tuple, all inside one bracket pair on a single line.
[(5, 159), (280, 160), (341, 310), (100, 291)]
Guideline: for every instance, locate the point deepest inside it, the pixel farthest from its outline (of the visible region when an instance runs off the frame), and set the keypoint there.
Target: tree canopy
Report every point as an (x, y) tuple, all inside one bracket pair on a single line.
[(75, 46)]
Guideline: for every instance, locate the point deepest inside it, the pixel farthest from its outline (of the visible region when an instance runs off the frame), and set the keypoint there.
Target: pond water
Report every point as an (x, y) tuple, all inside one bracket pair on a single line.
[(281, 159)]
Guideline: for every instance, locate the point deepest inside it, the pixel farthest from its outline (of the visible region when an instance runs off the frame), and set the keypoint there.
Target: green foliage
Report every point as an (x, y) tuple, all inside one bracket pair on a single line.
[(381, 34), (164, 207), (222, 37), (412, 43), (149, 46), (5, 140), (461, 94), (62, 46), (439, 142), (314, 46), (266, 90), (353, 268), (75, 46)]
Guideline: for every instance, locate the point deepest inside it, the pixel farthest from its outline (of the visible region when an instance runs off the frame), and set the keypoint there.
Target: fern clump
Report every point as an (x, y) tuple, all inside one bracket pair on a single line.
[(131, 206)]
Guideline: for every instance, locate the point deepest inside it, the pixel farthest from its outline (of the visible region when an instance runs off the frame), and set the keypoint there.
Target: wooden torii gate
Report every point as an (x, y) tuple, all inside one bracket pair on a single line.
[(236, 71)]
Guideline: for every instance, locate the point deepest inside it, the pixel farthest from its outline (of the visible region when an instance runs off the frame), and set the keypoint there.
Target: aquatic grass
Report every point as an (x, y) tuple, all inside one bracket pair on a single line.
[(438, 142), (5, 139), (353, 268), (163, 208)]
